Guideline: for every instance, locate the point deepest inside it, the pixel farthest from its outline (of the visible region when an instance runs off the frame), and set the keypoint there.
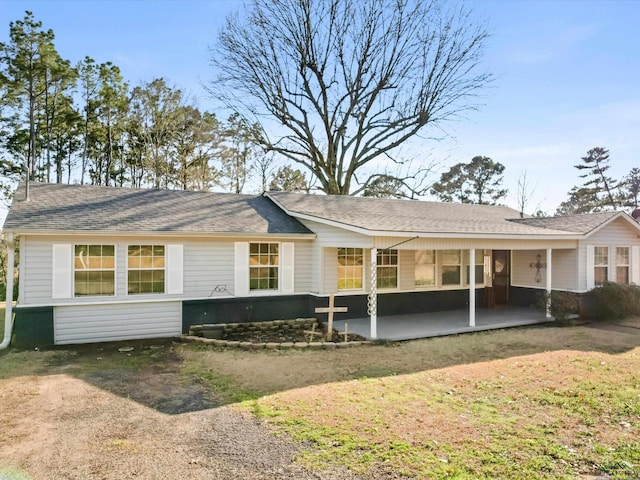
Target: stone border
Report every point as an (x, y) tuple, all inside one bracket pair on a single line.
[(272, 345), (297, 324)]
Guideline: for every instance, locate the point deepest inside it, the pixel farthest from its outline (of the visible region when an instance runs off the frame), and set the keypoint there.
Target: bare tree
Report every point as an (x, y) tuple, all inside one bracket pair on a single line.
[(524, 192), (349, 80)]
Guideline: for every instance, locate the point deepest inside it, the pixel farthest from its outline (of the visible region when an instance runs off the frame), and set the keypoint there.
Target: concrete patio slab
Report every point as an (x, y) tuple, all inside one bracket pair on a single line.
[(436, 324)]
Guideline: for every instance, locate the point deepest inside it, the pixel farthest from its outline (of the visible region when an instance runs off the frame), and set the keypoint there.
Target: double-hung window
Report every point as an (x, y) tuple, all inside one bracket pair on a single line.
[(451, 267), (387, 269), (94, 270), (264, 262), (601, 265), (622, 265), (425, 268), (145, 269), (350, 268)]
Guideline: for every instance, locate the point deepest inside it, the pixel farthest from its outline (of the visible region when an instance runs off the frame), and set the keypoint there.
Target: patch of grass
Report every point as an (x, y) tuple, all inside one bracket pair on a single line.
[(12, 473), (553, 415), (221, 387)]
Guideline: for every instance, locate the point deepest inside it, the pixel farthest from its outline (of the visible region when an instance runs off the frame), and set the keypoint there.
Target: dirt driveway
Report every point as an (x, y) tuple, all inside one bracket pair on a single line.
[(113, 423)]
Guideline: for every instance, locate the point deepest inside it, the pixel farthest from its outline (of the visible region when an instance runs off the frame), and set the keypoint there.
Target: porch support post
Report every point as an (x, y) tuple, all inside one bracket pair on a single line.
[(372, 300), (548, 283), (472, 287)]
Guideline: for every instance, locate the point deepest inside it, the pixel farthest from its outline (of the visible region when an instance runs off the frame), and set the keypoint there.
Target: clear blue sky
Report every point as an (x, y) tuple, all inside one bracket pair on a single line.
[(567, 74)]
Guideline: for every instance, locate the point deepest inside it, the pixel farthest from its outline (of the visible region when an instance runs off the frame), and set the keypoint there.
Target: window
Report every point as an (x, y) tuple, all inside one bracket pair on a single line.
[(451, 262), (387, 269), (479, 267), (263, 266), (622, 265), (145, 269), (425, 268), (601, 264), (94, 270), (350, 268)]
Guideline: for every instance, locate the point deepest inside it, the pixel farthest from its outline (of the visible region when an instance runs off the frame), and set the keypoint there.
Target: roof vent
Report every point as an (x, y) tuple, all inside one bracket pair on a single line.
[(636, 214)]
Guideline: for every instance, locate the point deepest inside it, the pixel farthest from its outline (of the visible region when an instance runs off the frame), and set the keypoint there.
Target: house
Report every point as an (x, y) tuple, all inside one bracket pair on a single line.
[(104, 263)]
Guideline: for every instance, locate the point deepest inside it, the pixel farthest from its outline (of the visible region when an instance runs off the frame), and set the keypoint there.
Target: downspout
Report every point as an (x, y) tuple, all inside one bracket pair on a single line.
[(8, 314)]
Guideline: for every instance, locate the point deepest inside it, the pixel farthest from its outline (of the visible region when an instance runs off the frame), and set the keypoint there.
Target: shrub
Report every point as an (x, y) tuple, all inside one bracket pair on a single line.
[(615, 301), (563, 305)]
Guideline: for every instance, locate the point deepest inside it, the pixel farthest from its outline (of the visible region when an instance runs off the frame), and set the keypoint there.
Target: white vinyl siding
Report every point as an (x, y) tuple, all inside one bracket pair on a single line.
[(563, 269), (111, 322), (323, 253), (617, 233)]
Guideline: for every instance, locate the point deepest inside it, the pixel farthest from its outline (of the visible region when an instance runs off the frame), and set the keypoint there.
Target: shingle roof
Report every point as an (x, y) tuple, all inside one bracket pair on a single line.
[(402, 216), (57, 207), (583, 223)]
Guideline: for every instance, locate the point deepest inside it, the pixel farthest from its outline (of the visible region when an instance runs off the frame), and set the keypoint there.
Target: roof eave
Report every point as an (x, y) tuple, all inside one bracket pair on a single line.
[(159, 233), (396, 233), (622, 215)]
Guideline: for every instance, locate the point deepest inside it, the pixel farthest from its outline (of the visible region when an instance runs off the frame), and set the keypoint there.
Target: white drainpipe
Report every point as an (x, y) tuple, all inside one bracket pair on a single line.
[(8, 315)]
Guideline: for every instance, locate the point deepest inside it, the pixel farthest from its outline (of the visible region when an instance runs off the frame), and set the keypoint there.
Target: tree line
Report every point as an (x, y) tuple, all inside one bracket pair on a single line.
[(85, 123), (388, 70)]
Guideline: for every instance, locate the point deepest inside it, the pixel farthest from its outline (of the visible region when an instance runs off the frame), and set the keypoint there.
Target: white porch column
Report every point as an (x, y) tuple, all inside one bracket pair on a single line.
[(8, 313), (472, 287), (549, 283), (372, 300)]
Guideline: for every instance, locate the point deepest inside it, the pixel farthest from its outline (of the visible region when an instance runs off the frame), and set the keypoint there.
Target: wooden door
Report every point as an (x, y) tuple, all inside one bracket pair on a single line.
[(501, 276)]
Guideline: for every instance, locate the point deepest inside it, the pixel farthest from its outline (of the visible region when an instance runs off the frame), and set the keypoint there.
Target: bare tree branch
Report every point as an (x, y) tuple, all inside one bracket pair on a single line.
[(349, 80)]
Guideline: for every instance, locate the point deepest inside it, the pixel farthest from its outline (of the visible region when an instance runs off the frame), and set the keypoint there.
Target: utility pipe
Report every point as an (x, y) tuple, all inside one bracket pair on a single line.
[(8, 313)]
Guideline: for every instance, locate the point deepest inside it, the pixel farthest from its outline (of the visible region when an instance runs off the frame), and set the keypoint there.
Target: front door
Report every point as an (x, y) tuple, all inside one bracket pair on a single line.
[(501, 276)]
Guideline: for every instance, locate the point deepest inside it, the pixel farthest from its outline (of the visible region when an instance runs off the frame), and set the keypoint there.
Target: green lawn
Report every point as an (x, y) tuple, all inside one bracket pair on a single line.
[(548, 415)]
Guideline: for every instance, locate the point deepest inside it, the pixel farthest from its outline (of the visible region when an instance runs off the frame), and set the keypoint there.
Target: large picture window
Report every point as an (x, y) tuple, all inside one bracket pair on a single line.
[(425, 268), (94, 270), (451, 267), (145, 269), (350, 268), (622, 265), (387, 269), (263, 266), (601, 264)]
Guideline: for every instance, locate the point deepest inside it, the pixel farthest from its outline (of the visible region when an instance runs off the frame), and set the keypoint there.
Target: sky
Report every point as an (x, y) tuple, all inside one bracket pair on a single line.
[(566, 76)]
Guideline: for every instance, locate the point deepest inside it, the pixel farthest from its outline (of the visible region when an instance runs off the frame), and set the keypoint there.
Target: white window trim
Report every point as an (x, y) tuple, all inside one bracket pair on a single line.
[(127, 270), (397, 287), (442, 265), (362, 250), (435, 268), (608, 264), (279, 267), (286, 270), (628, 264), (115, 271)]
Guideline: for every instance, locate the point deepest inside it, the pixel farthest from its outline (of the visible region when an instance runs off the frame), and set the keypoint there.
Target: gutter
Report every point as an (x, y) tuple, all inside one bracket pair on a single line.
[(8, 317)]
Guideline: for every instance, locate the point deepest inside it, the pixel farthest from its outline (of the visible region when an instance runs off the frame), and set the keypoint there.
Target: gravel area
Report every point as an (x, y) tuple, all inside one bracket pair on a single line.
[(61, 427)]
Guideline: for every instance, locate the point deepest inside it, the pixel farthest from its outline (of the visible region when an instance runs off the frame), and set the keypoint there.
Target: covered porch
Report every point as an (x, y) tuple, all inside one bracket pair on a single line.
[(435, 324)]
